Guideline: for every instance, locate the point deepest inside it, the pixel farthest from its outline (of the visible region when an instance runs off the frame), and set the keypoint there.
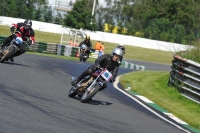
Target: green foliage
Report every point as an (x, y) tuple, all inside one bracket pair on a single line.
[(28, 9), (175, 21), (193, 53), (80, 17)]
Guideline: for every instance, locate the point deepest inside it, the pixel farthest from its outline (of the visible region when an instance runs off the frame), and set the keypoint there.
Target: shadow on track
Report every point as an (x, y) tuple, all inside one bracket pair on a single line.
[(12, 63), (94, 102)]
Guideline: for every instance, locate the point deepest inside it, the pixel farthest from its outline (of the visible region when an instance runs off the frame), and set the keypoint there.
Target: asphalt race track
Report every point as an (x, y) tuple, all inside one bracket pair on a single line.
[(34, 99)]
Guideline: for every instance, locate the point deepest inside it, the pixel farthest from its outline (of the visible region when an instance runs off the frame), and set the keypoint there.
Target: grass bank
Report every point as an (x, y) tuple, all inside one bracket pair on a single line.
[(153, 85)]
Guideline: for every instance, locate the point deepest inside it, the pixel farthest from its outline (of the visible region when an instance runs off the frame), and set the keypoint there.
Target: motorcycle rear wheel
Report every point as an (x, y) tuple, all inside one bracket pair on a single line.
[(8, 55), (87, 95)]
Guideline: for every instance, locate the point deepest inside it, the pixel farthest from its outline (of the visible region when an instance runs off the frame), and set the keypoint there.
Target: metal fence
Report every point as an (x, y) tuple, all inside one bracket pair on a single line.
[(185, 76)]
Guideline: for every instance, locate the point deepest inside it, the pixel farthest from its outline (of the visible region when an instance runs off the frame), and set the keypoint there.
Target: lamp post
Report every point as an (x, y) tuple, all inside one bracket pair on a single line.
[(94, 3), (49, 12)]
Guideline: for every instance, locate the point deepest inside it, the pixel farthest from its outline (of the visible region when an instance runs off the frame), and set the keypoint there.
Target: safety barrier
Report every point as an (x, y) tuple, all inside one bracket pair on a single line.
[(94, 54), (185, 76), (67, 50), (126, 64)]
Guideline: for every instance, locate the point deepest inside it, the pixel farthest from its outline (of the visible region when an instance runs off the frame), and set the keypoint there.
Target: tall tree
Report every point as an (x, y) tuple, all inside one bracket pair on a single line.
[(80, 16)]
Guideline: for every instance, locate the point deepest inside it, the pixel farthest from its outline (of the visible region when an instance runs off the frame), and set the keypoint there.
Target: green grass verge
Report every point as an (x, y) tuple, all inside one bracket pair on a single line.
[(135, 53), (153, 85)]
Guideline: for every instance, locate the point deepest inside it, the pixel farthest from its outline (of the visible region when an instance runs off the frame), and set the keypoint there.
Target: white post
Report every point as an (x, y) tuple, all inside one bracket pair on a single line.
[(75, 37), (93, 7), (61, 38)]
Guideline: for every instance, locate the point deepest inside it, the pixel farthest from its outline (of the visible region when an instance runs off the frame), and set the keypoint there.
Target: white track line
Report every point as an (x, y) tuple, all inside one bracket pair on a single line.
[(115, 85)]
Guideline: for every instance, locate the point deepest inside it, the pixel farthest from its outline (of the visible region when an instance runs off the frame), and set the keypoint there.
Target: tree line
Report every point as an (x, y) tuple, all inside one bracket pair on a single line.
[(175, 21), (39, 10)]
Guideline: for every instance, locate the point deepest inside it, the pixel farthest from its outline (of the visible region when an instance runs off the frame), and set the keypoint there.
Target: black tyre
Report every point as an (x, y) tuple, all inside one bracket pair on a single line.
[(89, 94), (72, 92), (84, 59), (8, 55), (80, 57)]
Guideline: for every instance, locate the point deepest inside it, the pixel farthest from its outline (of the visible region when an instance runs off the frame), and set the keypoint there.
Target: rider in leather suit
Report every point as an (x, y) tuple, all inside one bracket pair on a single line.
[(88, 43), (109, 61), (23, 30)]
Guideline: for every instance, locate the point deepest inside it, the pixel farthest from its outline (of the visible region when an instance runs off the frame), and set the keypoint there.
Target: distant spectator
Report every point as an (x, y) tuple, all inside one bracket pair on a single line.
[(71, 43), (101, 51), (97, 45)]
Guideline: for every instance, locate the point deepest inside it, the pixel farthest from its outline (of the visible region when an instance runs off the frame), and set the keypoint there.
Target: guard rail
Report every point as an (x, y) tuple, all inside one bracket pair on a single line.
[(185, 76)]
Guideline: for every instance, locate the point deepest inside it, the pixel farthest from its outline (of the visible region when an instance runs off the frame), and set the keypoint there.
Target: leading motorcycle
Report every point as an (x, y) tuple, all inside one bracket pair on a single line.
[(90, 85)]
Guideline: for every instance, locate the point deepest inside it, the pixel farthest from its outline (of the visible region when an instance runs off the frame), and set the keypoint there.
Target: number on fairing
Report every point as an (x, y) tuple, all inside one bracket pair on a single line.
[(106, 75), (18, 40)]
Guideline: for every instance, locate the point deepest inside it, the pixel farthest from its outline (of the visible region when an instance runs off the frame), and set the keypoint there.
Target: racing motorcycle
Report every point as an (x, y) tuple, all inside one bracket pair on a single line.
[(90, 85), (83, 55), (10, 49)]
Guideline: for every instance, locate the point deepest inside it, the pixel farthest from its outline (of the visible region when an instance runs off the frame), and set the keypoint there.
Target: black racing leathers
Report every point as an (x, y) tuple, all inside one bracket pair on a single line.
[(104, 61), (89, 45)]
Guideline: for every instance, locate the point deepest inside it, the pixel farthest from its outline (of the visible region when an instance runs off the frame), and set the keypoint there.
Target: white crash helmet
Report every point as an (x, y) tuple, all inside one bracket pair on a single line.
[(121, 44), (117, 51)]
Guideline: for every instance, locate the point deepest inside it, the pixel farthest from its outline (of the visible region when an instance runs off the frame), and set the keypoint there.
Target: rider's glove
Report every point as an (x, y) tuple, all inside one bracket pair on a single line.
[(97, 65), (12, 29), (29, 42)]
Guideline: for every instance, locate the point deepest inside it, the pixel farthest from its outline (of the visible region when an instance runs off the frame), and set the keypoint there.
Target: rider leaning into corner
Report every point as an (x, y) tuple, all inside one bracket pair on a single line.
[(88, 43), (23, 30), (109, 61)]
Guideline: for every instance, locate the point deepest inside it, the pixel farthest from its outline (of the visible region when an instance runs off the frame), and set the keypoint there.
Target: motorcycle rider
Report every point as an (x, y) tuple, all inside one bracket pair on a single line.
[(23, 30), (109, 61), (88, 43)]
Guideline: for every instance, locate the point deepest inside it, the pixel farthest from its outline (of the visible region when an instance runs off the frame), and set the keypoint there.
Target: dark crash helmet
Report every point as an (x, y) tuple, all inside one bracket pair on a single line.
[(87, 38), (27, 24)]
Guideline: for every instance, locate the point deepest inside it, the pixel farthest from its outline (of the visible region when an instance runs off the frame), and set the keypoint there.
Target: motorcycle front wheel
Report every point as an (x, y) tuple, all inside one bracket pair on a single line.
[(88, 94), (84, 59), (8, 54), (72, 92)]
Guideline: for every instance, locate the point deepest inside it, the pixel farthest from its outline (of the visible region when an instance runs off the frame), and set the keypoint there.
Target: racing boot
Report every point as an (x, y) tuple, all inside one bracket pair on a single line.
[(74, 82)]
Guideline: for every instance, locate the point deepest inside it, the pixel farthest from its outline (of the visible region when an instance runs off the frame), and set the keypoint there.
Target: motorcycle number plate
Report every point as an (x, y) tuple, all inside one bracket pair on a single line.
[(106, 75)]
